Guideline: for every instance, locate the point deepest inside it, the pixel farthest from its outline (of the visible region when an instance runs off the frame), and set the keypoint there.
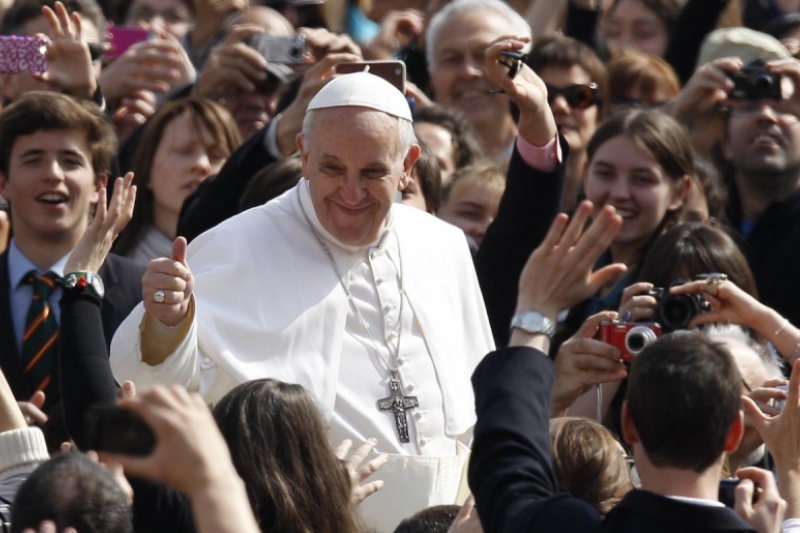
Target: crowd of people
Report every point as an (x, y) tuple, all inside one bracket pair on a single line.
[(527, 266)]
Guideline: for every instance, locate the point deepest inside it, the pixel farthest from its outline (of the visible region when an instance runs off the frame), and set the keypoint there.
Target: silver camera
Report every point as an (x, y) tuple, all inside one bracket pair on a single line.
[(279, 49)]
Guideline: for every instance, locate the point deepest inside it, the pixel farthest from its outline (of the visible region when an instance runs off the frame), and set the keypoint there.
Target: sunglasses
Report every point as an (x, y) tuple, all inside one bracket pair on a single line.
[(577, 96)]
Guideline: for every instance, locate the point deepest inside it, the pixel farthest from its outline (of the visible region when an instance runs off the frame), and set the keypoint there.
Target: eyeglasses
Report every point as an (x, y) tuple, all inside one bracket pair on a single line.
[(576, 96)]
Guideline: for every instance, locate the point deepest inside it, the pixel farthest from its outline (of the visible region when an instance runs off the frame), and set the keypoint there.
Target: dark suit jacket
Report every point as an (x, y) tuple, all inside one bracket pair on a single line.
[(530, 202), (510, 470), (122, 279)]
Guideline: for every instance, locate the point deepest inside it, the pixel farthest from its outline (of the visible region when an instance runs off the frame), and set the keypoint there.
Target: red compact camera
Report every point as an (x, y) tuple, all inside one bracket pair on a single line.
[(629, 337)]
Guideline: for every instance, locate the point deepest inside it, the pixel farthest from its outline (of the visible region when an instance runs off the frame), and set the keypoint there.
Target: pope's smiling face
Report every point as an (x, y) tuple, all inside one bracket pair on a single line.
[(353, 160)]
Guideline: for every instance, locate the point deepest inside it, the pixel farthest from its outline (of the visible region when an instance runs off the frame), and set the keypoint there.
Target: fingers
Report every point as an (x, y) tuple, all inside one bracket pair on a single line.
[(575, 226), (240, 32), (343, 448), (589, 328), (128, 390), (371, 467), (369, 489), (553, 236), (759, 419), (597, 238), (360, 454), (179, 251), (33, 415), (38, 399), (744, 498)]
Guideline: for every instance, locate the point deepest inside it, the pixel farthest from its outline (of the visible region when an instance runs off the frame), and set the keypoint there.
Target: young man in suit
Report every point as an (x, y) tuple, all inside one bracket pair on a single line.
[(55, 155), (682, 415)]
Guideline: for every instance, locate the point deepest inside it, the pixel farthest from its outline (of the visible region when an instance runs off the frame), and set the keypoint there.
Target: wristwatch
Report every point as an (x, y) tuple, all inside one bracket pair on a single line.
[(85, 280), (533, 322)]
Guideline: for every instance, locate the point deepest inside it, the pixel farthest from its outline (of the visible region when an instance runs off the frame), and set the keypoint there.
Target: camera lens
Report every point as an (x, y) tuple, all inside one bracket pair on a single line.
[(638, 337), (763, 83), (675, 312)]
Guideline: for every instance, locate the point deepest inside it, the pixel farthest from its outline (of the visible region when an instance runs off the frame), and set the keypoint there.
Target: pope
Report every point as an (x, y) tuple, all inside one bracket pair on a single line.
[(372, 306)]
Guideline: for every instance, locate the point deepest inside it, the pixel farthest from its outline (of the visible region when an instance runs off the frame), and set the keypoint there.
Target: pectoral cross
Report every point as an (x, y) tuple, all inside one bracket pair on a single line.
[(398, 403)]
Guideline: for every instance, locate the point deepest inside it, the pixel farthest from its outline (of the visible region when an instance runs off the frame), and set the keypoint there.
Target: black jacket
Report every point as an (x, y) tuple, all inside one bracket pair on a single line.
[(510, 470), (530, 202), (773, 251)]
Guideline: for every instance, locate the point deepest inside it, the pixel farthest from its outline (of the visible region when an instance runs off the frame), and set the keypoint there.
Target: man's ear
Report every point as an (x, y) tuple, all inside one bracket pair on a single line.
[(735, 434), (302, 146), (408, 163), (629, 432)]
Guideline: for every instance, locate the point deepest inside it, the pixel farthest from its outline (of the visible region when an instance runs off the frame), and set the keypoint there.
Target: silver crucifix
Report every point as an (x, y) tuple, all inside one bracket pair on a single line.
[(398, 403)]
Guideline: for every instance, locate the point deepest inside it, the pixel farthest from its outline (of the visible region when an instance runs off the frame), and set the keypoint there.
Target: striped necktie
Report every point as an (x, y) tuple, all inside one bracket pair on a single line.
[(40, 340)]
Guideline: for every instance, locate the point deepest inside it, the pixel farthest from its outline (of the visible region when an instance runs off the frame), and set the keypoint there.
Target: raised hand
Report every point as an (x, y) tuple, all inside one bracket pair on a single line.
[(398, 29), (705, 91), (559, 273), (232, 66), (358, 473), (322, 43), (526, 89), (583, 362), (781, 435), (155, 65), (108, 222), (69, 63), (132, 112), (167, 286), (291, 121)]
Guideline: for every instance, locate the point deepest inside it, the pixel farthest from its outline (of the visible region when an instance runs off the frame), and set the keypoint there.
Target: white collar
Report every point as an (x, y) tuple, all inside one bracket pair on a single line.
[(697, 501), (305, 198)]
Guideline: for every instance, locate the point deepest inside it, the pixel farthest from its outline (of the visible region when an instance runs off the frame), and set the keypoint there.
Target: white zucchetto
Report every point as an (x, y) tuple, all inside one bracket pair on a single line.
[(361, 89)]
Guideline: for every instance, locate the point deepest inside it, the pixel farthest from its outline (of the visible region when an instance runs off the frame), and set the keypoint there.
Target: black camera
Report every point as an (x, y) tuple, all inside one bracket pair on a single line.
[(676, 311), (755, 82)]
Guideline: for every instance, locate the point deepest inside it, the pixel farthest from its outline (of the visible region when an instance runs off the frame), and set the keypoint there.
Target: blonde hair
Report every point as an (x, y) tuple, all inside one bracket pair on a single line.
[(488, 173), (589, 462)]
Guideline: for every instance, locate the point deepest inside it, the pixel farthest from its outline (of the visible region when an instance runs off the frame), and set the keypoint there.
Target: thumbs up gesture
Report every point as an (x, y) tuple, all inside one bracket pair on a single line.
[(167, 286)]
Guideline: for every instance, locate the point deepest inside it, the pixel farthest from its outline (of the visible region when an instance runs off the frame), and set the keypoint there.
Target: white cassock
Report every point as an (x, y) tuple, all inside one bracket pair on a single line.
[(268, 303)]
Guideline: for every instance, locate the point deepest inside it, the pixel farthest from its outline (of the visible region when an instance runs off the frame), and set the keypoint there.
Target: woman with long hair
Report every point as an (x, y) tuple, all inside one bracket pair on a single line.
[(184, 143)]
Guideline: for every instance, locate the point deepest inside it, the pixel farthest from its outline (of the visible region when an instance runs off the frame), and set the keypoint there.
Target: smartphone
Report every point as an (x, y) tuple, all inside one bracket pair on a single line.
[(123, 37), (727, 491), (19, 53), (392, 70), (287, 50), (111, 429)]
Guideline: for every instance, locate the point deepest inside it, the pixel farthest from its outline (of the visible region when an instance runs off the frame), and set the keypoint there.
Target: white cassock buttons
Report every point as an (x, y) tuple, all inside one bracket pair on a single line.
[(424, 441), (388, 308), (412, 386), (420, 414), (401, 360), (380, 281)]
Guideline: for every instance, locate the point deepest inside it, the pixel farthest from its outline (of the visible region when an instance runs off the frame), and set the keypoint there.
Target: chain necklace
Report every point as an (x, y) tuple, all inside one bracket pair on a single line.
[(392, 366), (396, 402)]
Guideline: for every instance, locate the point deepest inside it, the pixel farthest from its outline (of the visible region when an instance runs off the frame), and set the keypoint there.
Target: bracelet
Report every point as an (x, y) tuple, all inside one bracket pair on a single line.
[(780, 329)]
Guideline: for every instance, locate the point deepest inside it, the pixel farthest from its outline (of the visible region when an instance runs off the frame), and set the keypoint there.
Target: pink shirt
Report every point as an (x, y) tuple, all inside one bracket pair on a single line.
[(545, 158)]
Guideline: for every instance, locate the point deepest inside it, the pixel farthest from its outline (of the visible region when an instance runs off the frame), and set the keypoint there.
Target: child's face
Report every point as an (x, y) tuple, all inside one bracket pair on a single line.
[(472, 209)]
